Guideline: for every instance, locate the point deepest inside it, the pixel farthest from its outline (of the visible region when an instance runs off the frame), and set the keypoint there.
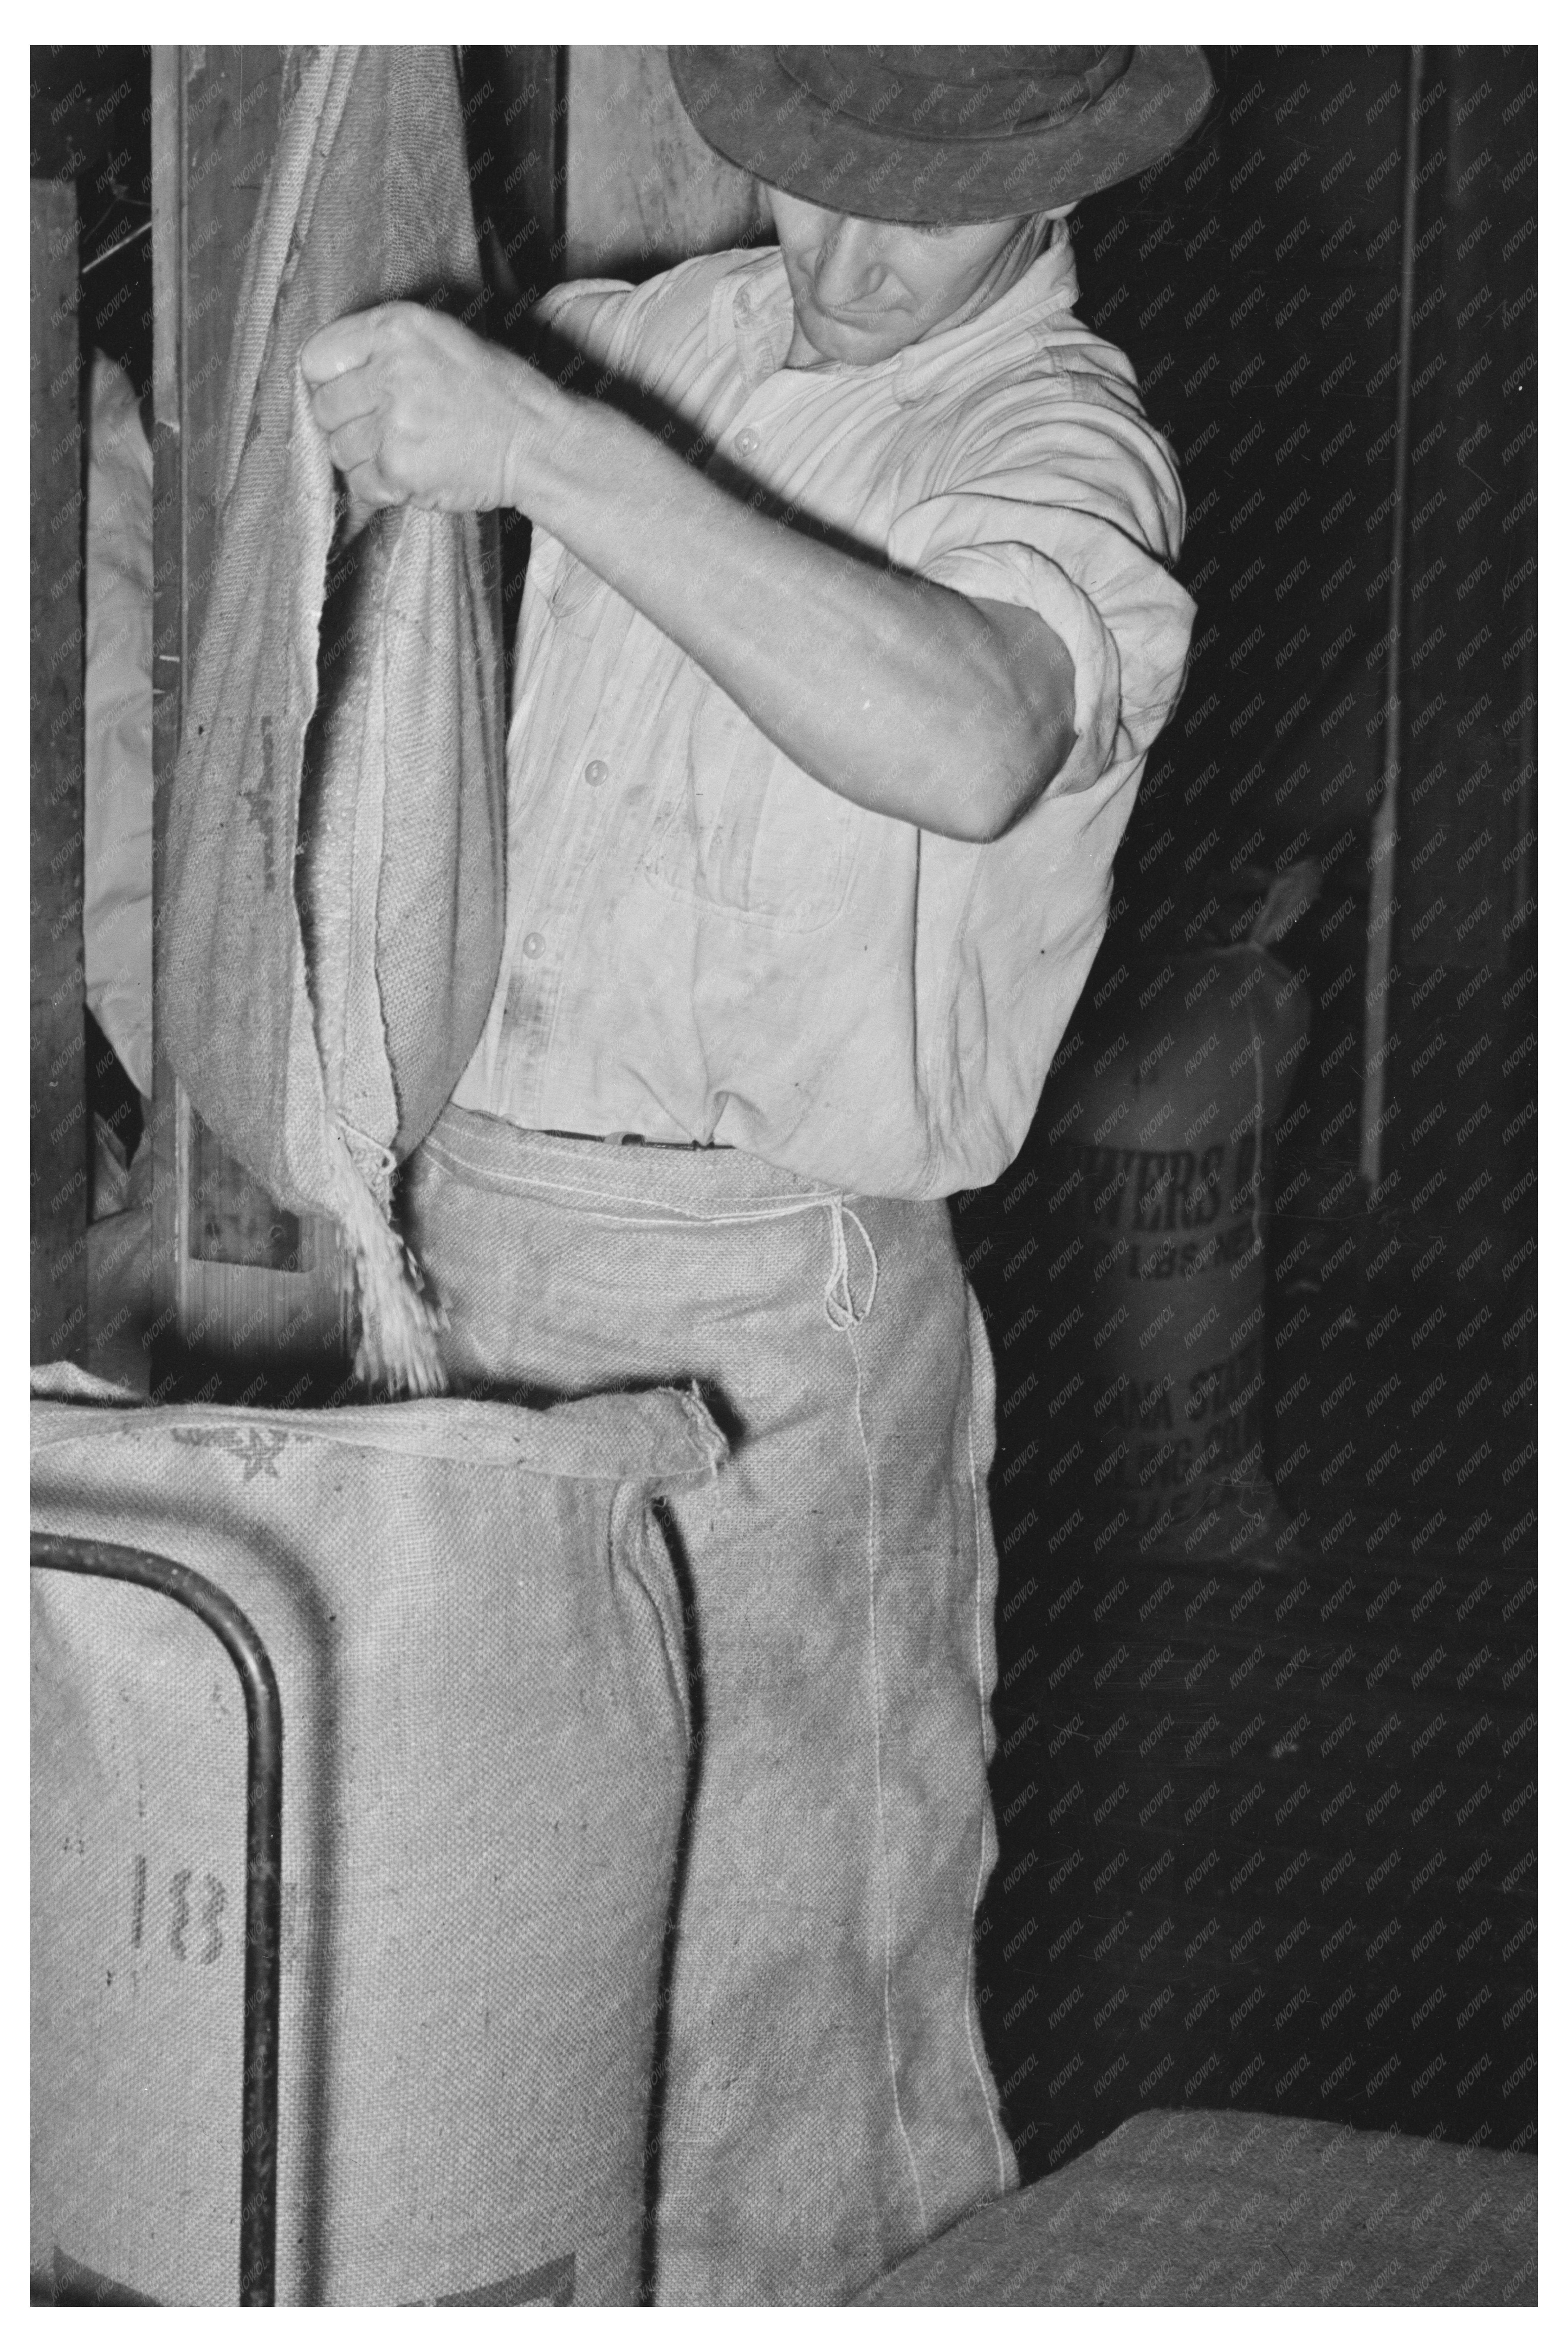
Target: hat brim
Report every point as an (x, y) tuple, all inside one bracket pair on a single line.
[(753, 114)]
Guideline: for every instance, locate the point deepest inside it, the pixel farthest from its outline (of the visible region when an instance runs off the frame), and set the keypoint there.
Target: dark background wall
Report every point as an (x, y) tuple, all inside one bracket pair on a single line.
[(1254, 280), (1267, 1820), (91, 124)]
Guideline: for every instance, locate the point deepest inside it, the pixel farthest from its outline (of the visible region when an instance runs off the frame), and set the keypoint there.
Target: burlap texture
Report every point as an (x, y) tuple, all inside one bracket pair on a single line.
[(348, 769), (1232, 2208), (477, 1637)]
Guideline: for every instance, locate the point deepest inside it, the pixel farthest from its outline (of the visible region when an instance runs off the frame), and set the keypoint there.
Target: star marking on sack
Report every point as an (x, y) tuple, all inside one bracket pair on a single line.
[(257, 1449)]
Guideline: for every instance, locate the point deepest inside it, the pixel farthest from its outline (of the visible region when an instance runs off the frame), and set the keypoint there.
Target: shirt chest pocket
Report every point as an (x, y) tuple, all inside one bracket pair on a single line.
[(745, 832)]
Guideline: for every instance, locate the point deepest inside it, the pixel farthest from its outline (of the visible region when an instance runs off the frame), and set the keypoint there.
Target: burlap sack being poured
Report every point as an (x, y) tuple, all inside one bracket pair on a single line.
[(368, 800)]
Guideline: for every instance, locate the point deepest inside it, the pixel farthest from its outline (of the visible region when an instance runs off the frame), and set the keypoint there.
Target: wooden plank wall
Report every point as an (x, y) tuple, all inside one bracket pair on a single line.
[(58, 1133), (643, 190)]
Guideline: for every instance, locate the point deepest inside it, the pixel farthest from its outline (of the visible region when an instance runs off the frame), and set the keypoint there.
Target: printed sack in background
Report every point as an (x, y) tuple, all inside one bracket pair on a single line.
[(476, 1634), (1158, 1168), (341, 753)]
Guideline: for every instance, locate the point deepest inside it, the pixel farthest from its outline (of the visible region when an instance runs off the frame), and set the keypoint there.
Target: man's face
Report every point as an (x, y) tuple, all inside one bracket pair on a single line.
[(864, 288)]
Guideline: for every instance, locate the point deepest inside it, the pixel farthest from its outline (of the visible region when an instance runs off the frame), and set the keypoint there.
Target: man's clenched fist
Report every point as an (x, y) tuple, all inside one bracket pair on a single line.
[(417, 411)]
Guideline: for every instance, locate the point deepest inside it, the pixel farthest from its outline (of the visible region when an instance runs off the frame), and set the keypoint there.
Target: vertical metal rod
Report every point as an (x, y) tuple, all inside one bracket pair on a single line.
[(1385, 824), (80, 1556)]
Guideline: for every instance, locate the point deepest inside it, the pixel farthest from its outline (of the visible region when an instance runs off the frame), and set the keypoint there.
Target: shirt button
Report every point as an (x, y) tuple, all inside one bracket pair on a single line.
[(595, 772), (533, 945), (747, 441)]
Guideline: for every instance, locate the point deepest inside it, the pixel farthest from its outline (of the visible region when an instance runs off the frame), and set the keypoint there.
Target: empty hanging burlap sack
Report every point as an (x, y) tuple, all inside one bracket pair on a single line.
[(476, 1634), (341, 755)]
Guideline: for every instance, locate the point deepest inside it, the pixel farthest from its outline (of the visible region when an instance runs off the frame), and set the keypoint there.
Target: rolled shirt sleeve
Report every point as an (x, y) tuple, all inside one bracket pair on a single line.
[(1067, 503), (584, 311)]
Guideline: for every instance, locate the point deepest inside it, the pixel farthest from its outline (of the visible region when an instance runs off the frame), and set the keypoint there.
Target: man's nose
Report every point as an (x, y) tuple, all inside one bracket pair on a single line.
[(848, 264)]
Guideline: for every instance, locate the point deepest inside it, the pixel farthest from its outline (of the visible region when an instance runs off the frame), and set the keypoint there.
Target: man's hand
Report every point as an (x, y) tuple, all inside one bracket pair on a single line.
[(417, 410)]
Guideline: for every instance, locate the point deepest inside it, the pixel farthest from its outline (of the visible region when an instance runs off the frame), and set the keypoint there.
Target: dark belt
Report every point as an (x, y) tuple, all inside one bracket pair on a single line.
[(650, 1142)]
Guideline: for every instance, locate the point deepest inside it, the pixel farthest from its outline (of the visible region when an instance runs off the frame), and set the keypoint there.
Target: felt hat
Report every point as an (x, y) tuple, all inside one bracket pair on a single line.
[(942, 134)]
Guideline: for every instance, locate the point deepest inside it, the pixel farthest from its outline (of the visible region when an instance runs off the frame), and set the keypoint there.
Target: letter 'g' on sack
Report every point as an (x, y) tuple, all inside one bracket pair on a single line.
[(341, 753), (477, 1633)]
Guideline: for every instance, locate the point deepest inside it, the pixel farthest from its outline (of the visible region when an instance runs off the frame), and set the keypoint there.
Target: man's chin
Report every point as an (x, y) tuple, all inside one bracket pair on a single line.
[(851, 342)]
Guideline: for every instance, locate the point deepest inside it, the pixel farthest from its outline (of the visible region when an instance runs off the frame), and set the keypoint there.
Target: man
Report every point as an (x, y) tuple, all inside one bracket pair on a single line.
[(847, 630)]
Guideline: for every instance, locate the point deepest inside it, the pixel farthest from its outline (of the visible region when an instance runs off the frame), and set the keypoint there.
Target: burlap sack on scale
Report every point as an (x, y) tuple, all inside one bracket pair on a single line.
[(333, 922), (479, 1840)]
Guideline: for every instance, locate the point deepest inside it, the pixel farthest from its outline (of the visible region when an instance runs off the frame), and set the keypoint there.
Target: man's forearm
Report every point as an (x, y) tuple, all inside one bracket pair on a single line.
[(907, 698)]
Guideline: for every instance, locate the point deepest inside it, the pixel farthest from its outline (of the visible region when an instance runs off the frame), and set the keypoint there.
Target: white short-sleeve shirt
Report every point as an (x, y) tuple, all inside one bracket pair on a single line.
[(702, 941)]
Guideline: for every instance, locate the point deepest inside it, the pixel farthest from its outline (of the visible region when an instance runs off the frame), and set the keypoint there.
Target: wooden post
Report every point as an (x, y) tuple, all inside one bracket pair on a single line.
[(1385, 822), (57, 1056), (254, 1300), (1460, 1055)]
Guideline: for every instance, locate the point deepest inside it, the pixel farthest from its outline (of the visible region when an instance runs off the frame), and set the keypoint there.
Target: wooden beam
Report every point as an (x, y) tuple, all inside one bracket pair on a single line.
[(255, 1297), (168, 1113), (58, 1057), (1460, 1049)]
